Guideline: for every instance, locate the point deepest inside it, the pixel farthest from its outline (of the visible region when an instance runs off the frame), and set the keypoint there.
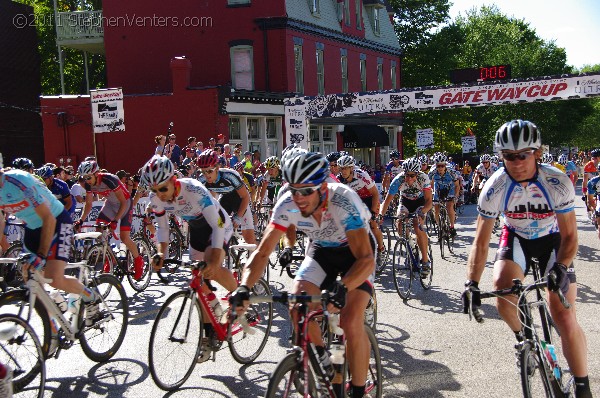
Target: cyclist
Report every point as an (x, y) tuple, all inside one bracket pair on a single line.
[(209, 226), (59, 188), (548, 159), (570, 168), (235, 198), (415, 197), (272, 180), (424, 163), (336, 221), (117, 206), (590, 170), (392, 169), (538, 203), (483, 171), (445, 188), (593, 194), (24, 164), (48, 232), (364, 186), (332, 158)]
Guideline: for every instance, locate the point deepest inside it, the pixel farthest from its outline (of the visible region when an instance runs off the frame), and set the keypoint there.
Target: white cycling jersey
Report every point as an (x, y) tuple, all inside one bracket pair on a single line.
[(343, 211), (193, 202), (486, 173), (412, 191), (529, 211)]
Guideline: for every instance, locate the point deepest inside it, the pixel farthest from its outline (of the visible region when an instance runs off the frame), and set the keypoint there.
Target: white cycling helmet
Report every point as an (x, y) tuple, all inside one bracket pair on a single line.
[(346, 161), (423, 158), (516, 135), (88, 167), (156, 171), (439, 158), (306, 168), (485, 158), (291, 152), (495, 159), (562, 159), (411, 164), (547, 158)]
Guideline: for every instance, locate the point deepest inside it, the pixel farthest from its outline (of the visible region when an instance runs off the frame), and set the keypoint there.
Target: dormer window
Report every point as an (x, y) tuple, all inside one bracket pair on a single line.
[(376, 22), (315, 6)]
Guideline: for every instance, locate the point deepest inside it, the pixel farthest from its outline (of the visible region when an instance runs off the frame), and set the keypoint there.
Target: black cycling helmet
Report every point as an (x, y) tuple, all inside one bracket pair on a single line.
[(333, 157), (395, 155), (595, 153), (23, 164)]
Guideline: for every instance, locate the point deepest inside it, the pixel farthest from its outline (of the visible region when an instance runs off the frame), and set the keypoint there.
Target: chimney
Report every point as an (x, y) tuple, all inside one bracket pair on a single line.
[(180, 71)]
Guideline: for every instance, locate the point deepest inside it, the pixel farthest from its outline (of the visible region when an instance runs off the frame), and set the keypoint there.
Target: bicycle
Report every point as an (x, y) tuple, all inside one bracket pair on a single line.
[(177, 332), (300, 372), (406, 260), (539, 331), (383, 256), (58, 330), (445, 238), (178, 241), (431, 226), (21, 349)]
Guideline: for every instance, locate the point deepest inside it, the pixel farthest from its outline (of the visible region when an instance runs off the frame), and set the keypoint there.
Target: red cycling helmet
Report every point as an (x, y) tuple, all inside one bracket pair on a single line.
[(208, 158)]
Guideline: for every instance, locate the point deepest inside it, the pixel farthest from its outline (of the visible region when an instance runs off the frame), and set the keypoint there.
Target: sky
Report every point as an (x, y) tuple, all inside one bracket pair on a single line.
[(573, 24)]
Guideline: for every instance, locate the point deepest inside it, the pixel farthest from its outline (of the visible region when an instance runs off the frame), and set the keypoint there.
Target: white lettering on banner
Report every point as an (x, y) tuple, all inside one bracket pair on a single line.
[(108, 114), (425, 138), (469, 144)]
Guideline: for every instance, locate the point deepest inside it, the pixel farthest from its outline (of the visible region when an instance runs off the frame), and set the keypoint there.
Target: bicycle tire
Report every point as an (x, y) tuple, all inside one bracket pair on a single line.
[(100, 261), (22, 351), (531, 364), (16, 302), (383, 257), (288, 380), (402, 269), (98, 342), (146, 252), (13, 277), (371, 312), (171, 366), (426, 282), (374, 382), (246, 347), (175, 244)]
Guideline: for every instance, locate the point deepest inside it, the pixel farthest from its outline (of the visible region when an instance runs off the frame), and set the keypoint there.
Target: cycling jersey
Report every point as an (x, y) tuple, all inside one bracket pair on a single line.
[(360, 182), (61, 191), (443, 185), (560, 167), (21, 193), (392, 169), (529, 211), (343, 211), (486, 173), (593, 186), (273, 184), (248, 179), (227, 183), (571, 168), (590, 168), (106, 186), (413, 191), (193, 203)]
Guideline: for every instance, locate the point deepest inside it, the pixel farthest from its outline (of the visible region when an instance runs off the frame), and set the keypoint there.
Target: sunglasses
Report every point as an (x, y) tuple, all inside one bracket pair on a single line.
[(162, 189), (410, 175), (510, 157), (208, 171), (88, 178), (439, 166), (305, 191)]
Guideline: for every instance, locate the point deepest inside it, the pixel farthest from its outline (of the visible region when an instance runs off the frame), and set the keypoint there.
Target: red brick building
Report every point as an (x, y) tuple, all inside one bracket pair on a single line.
[(242, 57)]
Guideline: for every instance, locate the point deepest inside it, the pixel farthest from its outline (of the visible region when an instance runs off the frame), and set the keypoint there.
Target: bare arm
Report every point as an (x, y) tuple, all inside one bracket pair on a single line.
[(364, 265), (87, 207), (386, 203), (428, 200), (479, 249), (48, 227), (567, 225), (375, 200), (245, 196)]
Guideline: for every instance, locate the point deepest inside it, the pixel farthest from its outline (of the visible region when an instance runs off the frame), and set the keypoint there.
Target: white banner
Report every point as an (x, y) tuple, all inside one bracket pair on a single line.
[(108, 114), (469, 144), (425, 138), (296, 127)]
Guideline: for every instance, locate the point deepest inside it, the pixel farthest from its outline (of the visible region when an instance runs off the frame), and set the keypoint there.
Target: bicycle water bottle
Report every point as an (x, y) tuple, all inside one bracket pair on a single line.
[(215, 305), (59, 299), (338, 353), (550, 353), (73, 303), (334, 324)]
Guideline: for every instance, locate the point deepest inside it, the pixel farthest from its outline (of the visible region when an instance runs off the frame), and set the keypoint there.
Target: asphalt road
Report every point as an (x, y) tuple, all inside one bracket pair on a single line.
[(428, 347)]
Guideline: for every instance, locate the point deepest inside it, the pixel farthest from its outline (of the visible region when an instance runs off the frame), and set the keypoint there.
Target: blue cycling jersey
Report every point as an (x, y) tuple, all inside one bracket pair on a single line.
[(21, 193), (443, 184)]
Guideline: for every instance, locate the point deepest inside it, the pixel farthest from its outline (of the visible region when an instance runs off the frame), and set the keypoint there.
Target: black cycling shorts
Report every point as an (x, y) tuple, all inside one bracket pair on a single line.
[(60, 247), (411, 205)]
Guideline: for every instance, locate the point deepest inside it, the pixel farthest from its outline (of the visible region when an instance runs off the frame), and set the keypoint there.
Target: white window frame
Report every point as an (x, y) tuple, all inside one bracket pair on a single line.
[(393, 76), (232, 51), (347, 20), (380, 76), (376, 22), (358, 12), (363, 74), (320, 145), (320, 71), (344, 67), (299, 68), (262, 143)]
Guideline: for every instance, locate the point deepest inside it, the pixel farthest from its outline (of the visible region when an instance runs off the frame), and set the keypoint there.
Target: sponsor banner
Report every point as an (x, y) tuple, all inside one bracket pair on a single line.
[(425, 138), (108, 114), (469, 144), (296, 125)]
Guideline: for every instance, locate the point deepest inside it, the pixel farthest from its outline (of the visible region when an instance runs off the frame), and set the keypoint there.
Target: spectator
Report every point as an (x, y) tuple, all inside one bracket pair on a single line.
[(220, 141), (237, 155), (211, 143), (190, 153), (78, 191), (377, 174), (199, 147), (248, 162), (227, 154), (172, 151), (466, 170), (123, 176), (160, 142), (256, 162), (58, 187), (190, 145)]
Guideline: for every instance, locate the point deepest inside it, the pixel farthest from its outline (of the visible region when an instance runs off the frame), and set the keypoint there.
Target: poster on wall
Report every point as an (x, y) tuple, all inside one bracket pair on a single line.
[(296, 131), (425, 138), (108, 114), (469, 144)]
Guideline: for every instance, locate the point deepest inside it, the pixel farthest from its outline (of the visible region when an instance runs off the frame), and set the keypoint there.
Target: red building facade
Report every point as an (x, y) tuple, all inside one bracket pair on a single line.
[(243, 57)]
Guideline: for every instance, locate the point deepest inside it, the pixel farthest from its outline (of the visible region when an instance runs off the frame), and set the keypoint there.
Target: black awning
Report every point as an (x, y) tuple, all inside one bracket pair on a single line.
[(364, 136)]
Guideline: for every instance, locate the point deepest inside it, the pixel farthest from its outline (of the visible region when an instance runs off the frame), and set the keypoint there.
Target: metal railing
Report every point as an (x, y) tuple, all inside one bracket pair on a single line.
[(79, 25)]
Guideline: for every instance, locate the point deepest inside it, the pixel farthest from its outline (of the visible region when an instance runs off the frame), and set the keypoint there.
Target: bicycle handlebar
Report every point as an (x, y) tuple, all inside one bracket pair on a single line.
[(287, 298)]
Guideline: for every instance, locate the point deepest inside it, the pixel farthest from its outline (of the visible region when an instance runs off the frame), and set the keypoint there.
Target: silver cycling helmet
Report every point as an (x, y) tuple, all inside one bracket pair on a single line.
[(547, 158), (562, 159), (411, 164), (516, 135), (156, 171), (88, 167), (346, 161), (306, 168)]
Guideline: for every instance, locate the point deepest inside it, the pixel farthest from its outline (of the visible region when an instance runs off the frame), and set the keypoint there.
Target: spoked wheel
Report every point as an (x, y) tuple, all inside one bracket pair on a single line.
[(402, 267), (430, 224), (101, 340), (383, 256), (426, 282), (146, 253), (374, 384), (20, 349), (175, 340), (175, 245), (246, 346), (371, 312), (100, 261), (289, 380), (534, 379)]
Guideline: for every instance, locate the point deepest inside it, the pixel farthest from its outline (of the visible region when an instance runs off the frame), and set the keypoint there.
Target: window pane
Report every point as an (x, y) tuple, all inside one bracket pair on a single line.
[(298, 65), (314, 133), (380, 76), (363, 74), (255, 146), (234, 129), (344, 65), (327, 148), (327, 133), (272, 149), (315, 147), (320, 73), (271, 128), (347, 12), (393, 72), (242, 69), (253, 129), (358, 19)]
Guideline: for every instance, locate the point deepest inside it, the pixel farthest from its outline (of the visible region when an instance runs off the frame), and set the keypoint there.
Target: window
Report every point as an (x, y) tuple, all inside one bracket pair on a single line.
[(376, 25), (344, 64), (380, 75), (314, 133), (315, 6), (271, 128), (320, 73), (298, 68), (327, 133), (236, 2), (363, 74), (253, 132), (242, 67), (322, 139), (393, 73), (234, 129), (347, 12), (358, 7)]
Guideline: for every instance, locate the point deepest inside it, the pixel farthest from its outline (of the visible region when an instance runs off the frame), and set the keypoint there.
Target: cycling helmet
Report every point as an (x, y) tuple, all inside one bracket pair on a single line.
[(156, 171), (439, 158), (208, 158), (411, 164), (547, 158), (45, 172), (306, 168), (239, 167), (595, 153), (346, 161), (272, 162), (485, 158), (394, 155), (332, 157), (562, 159), (291, 152), (423, 159), (516, 135), (23, 164), (495, 159), (88, 167)]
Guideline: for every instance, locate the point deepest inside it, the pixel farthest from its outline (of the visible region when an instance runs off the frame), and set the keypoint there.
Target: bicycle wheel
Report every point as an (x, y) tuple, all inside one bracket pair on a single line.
[(175, 244), (246, 347), (14, 277), (402, 268), (288, 379), (102, 340), (100, 261), (146, 252), (384, 256), (426, 282), (20, 349), (374, 382), (16, 302), (175, 340), (534, 379), (371, 312), (431, 224)]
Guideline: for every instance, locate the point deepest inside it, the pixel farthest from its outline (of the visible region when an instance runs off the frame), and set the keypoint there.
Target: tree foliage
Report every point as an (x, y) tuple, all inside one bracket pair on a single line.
[(74, 69)]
